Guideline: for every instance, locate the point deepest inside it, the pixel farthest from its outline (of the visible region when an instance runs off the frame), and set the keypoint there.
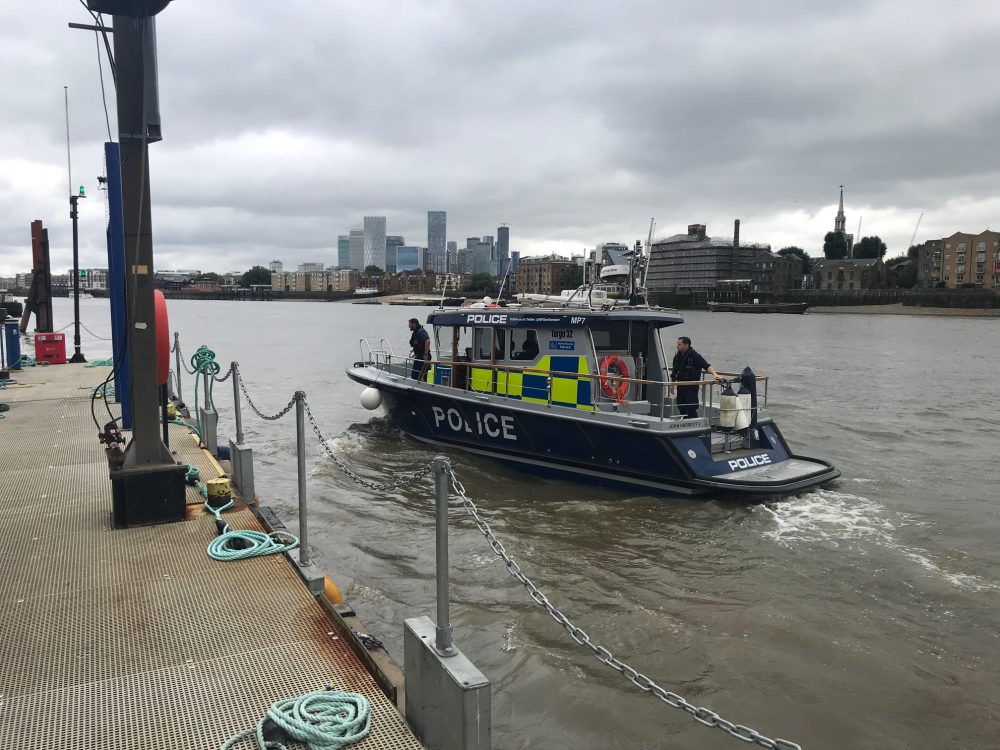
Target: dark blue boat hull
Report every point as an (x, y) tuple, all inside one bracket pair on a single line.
[(549, 441)]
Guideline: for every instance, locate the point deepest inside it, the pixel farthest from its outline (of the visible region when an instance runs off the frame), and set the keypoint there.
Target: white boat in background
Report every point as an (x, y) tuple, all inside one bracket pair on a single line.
[(366, 291), (583, 296)]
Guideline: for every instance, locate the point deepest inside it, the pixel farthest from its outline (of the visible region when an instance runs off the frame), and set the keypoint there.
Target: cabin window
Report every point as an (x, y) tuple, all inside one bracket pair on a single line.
[(487, 342), (612, 336), (460, 345), (523, 344)]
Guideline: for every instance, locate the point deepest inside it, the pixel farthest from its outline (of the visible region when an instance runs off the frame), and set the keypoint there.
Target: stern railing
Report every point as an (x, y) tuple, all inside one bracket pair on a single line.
[(710, 391)]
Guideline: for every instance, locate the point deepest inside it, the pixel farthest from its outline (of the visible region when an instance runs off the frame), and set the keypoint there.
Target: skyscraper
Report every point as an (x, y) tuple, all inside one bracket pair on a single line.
[(452, 257), (437, 230), (392, 242), (483, 258), (502, 251), (375, 241), (409, 258), (356, 245), (343, 250)]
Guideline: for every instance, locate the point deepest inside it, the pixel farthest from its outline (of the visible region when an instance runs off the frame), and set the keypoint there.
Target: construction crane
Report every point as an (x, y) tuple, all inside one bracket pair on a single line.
[(649, 253), (914, 237)]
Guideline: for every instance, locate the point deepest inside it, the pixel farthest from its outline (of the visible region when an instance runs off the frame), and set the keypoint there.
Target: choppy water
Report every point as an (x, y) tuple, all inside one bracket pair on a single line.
[(860, 615)]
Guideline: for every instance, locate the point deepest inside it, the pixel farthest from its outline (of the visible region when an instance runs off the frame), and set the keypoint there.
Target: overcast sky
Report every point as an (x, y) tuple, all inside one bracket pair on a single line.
[(574, 123)]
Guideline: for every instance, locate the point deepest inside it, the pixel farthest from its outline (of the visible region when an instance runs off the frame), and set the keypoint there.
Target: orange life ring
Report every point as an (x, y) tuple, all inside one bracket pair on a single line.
[(613, 367), (162, 328)]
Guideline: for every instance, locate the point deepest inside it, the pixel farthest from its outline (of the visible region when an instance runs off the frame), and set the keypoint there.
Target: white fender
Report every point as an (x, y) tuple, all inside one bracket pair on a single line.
[(729, 405), (745, 403), (371, 398)]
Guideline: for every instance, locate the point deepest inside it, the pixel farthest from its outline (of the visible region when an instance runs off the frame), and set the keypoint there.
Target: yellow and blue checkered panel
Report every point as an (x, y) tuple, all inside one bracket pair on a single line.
[(567, 390), (530, 385), (481, 379)]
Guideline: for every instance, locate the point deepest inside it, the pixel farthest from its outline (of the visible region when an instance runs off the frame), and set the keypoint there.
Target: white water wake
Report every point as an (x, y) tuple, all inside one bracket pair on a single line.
[(836, 519)]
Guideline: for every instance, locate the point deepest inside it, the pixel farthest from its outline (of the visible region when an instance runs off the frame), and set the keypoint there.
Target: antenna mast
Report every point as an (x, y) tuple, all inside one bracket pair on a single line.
[(69, 166)]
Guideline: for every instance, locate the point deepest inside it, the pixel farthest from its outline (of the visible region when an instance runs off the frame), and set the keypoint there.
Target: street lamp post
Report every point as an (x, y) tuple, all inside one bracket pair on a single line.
[(77, 354), (73, 198)]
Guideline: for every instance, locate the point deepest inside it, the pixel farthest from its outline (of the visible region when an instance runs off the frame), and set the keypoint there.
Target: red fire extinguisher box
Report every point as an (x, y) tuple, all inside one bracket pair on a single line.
[(50, 348)]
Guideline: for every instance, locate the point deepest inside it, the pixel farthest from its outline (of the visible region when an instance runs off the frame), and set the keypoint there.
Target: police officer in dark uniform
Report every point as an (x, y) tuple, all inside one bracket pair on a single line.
[(420, 343), (688, 365)]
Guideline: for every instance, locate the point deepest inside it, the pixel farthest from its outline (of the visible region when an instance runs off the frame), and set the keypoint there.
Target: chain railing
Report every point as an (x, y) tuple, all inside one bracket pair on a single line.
[(180, 355), (403, 481), (704, 715), (235, 368), (229, 374), (700, 713)]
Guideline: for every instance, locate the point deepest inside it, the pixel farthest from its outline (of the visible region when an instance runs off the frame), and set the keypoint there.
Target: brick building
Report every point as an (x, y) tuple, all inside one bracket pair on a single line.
[(962, 259), (850, 273), (549, 274), (773, 274)]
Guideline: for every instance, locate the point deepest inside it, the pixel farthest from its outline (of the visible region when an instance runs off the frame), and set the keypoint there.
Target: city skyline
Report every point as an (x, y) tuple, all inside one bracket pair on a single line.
[(688, 127)]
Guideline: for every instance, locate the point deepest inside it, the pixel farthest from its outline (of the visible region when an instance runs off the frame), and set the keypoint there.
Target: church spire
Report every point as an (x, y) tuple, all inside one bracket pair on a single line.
[(840, 223)]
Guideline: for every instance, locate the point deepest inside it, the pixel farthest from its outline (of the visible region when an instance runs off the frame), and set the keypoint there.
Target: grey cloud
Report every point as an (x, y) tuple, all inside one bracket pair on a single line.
[(285, 124)]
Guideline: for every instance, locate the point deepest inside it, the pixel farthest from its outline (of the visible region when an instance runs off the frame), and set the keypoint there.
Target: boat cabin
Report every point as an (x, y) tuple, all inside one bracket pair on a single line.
[(562, 357)]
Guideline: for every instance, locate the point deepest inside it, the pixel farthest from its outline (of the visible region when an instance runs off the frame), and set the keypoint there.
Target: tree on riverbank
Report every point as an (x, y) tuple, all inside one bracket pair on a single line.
[(870, 247), (480, 283), (800, 253), (256, 275), (834, 245)]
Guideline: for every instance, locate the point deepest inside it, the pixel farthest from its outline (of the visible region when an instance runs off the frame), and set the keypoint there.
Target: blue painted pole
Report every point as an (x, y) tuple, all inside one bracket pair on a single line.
[(116, 283)]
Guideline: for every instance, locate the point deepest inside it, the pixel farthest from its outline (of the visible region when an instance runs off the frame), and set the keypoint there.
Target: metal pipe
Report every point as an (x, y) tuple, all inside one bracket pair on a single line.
[(177, 360), (300, 449), (205, 380), (443, 636), (163, 414), (236, 403)]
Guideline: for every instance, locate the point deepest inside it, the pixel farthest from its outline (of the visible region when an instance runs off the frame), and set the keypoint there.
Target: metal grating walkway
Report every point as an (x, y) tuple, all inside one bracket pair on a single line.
[(135, 638)]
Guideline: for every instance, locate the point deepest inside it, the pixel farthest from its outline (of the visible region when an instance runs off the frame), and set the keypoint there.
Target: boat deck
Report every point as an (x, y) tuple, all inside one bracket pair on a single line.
[(135, 638)]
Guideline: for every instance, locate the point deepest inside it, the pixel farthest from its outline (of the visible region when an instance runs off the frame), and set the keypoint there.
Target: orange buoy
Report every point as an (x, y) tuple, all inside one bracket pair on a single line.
[(162, 337)]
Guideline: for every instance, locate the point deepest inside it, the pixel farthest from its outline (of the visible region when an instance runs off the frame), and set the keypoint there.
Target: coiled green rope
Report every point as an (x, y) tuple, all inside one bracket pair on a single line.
[(203, 361), (325, 720), (239, 545), (255, 544), (101, 363), (193, 477)]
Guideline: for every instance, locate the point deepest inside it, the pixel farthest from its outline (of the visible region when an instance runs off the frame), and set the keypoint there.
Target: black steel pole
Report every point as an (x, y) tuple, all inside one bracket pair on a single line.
[(77, 354)]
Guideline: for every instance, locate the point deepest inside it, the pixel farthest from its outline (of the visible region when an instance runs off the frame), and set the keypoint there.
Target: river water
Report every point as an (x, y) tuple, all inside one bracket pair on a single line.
[(860, 615)]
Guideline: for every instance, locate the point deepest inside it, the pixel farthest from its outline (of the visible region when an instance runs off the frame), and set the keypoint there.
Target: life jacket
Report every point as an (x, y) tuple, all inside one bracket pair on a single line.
[(684, 367)]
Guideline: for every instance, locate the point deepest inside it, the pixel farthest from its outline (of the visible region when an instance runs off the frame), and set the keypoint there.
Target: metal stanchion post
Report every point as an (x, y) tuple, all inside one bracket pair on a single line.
[(300, 431), (240, 454), (443, 636), (179, 368), (236, 403)]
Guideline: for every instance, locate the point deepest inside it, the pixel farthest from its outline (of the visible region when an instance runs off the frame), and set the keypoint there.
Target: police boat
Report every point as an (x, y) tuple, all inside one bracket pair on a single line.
[(584, 394)]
